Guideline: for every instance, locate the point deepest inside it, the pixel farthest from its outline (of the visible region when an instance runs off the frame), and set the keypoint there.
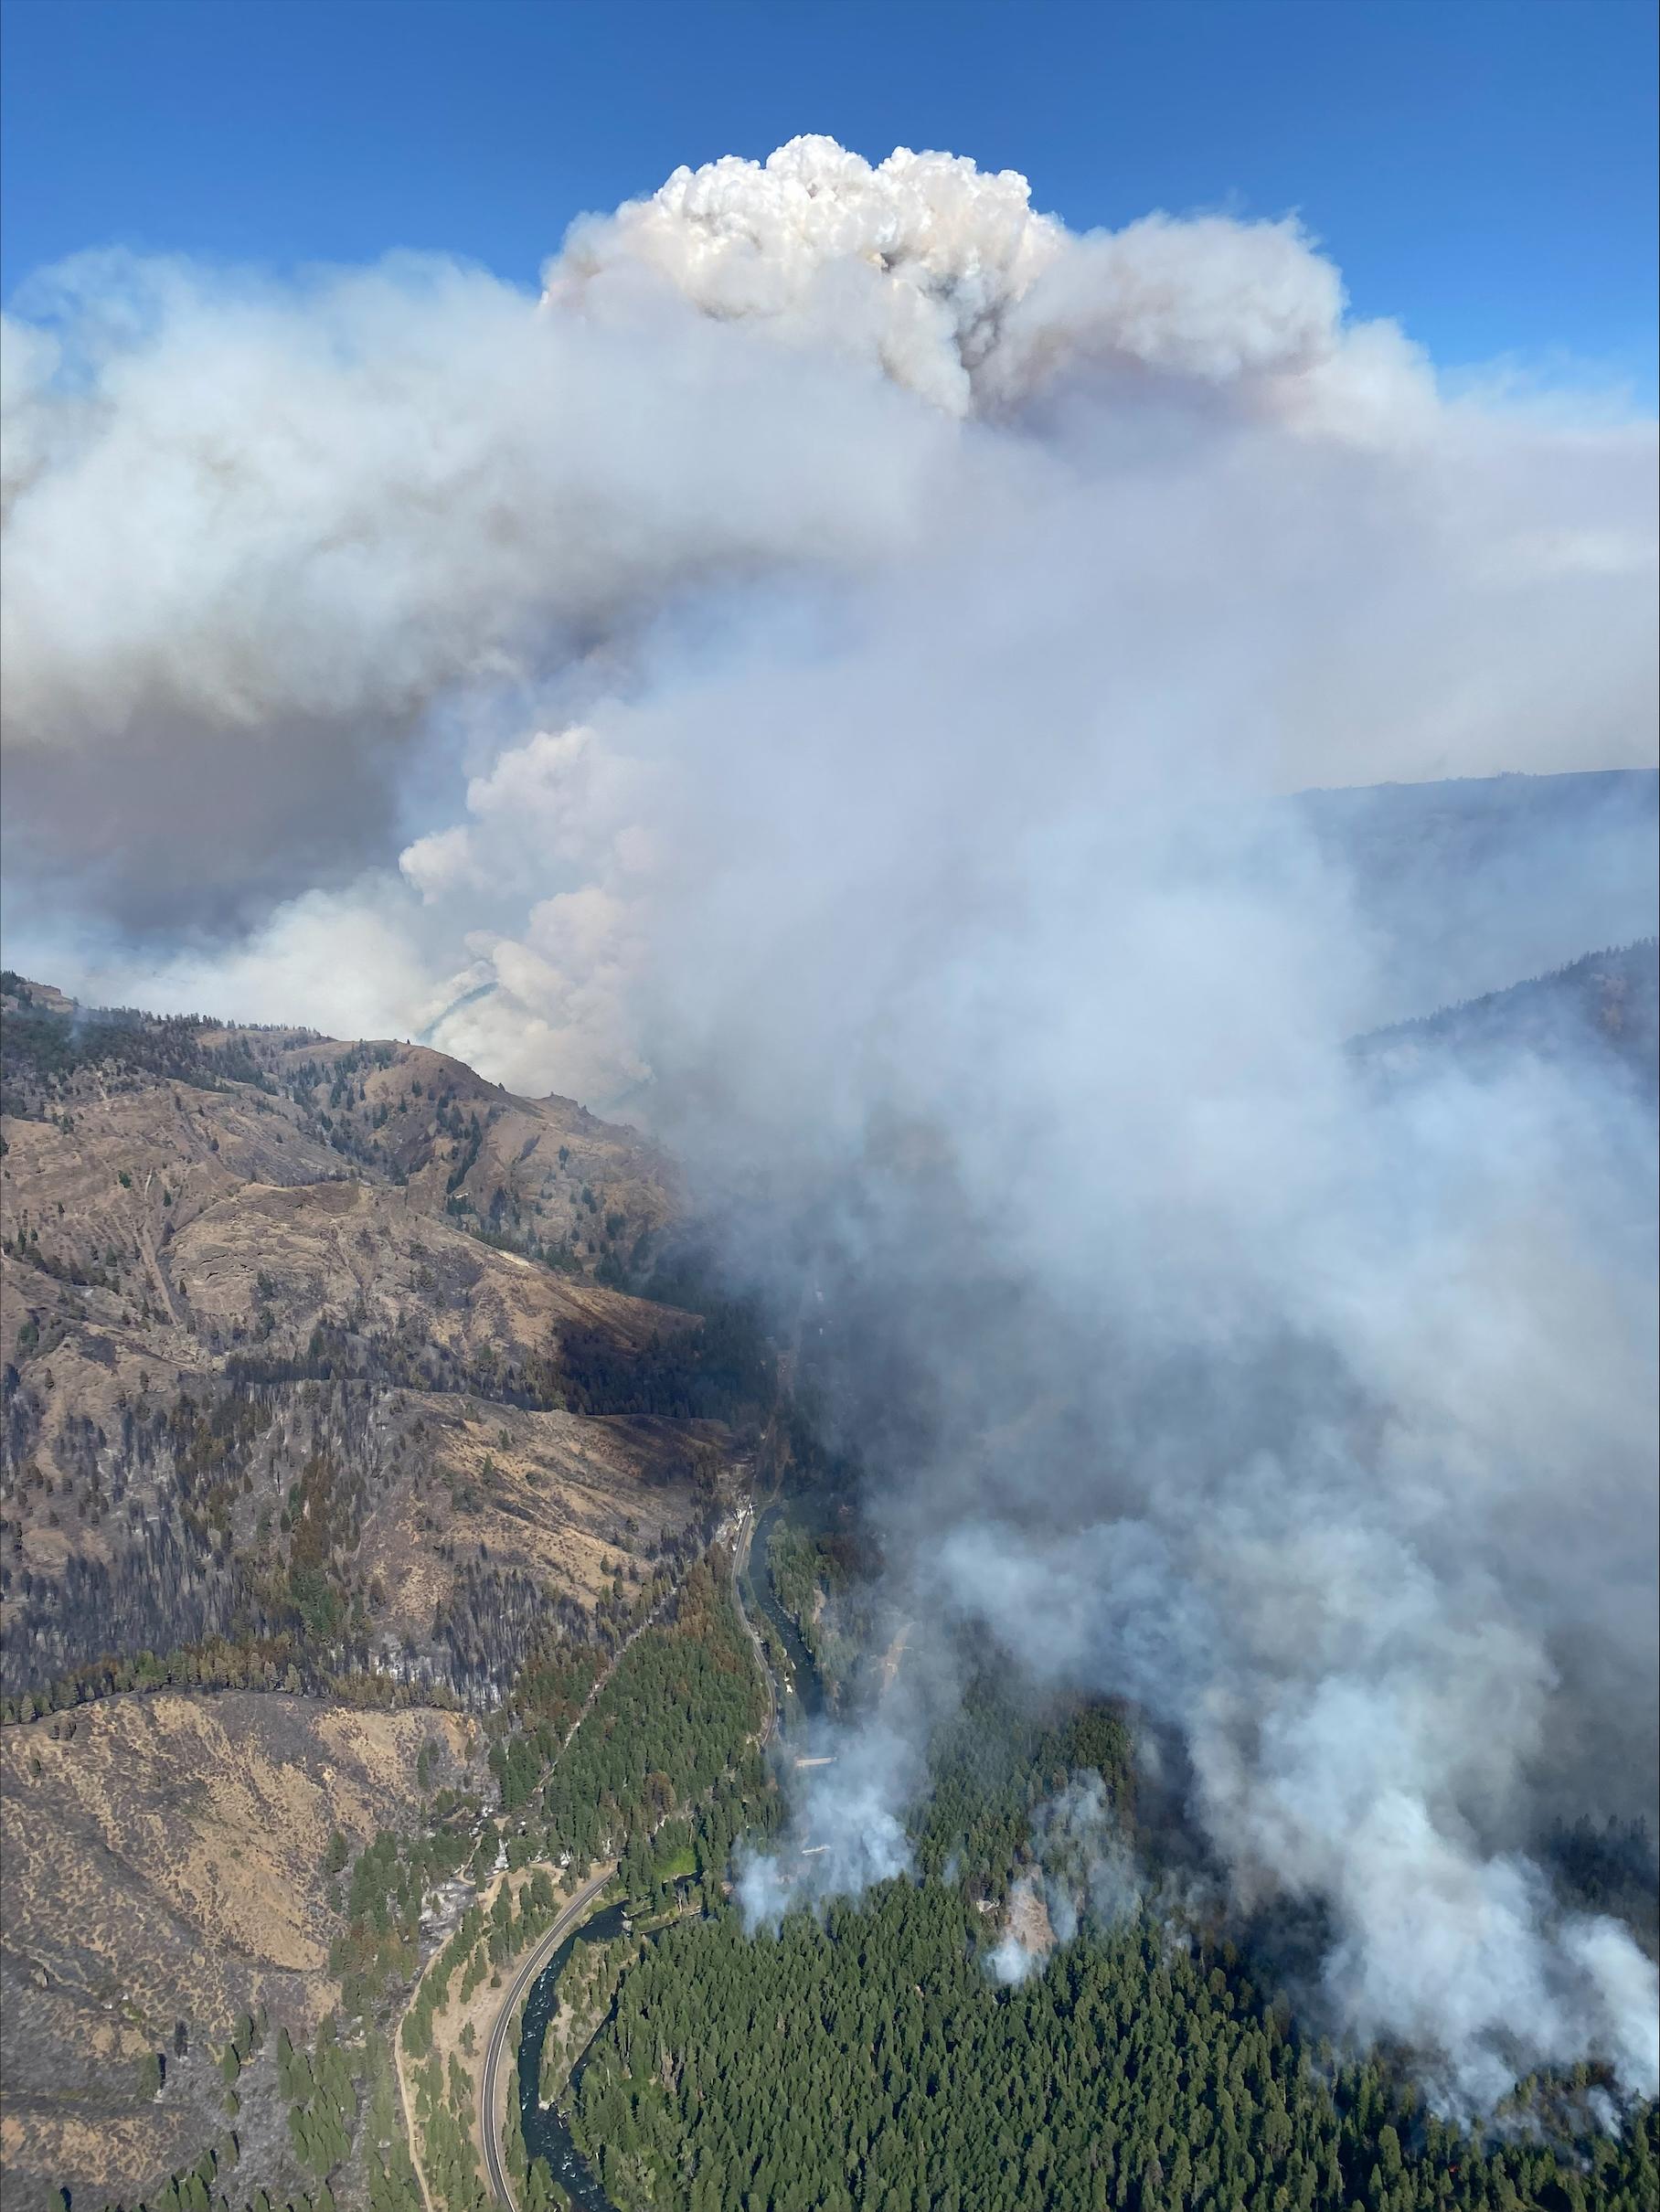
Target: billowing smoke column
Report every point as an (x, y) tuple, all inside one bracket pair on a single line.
[(821, 673)]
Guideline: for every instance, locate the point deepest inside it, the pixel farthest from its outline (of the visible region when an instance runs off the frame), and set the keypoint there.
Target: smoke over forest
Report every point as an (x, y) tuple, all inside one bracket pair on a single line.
[(825, 677)]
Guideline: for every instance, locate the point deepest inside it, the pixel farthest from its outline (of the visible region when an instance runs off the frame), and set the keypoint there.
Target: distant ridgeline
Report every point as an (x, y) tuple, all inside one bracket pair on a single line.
[(48, 1038), (1602, 1010), (1466, 885)]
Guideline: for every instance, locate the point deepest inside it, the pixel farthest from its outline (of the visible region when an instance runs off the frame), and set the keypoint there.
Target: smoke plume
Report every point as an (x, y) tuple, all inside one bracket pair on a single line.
[(824, 673), (848, 1829)]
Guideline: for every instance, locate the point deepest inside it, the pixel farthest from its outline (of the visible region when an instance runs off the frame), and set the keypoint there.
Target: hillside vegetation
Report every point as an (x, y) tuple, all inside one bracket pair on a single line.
[(315, 1359), (324, 1410), (1603, 1009)]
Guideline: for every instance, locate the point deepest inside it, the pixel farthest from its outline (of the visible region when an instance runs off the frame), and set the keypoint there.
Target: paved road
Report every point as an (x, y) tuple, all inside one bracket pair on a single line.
[(488, 2132), (489, 2126), (519, 1988), (497, 2053)]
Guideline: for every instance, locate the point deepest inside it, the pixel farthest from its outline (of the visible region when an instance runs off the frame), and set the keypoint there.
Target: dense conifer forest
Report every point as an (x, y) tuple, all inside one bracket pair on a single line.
[(869, 2060)]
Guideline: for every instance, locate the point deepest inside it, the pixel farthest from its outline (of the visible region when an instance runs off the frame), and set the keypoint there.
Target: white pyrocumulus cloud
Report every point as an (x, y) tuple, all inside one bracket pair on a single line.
[(946, 279), (279, 560), (819, 668), (909, 267)]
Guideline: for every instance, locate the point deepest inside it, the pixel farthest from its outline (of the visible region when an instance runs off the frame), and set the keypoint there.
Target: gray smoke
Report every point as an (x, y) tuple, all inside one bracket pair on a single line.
[(848, 1828), (1082, 1863), (823, 672), (1320, 1427)]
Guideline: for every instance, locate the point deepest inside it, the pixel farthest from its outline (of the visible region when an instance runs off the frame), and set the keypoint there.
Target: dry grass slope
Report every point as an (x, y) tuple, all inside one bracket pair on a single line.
[(165, 1864), (288, 1327)]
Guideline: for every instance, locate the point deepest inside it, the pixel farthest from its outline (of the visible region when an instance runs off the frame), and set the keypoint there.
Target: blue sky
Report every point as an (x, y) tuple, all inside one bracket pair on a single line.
[(1483, 169)]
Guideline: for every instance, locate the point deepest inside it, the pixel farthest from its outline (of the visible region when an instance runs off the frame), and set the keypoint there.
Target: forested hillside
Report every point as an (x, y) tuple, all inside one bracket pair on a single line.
[(327, 1417), (1604, 1010), (871, 2060), (322, 1396)]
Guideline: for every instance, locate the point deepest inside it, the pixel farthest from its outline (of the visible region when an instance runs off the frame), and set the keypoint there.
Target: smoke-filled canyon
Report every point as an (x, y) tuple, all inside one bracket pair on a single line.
[(826, 678)]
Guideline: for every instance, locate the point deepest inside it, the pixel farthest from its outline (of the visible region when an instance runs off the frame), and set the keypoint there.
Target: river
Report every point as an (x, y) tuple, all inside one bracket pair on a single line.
[(801, 1697), (546, 2134)]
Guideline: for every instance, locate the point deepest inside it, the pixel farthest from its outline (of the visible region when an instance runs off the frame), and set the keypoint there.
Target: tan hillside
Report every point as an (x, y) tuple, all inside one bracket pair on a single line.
[(323, 1402), (310, 1346), (164, 1863)]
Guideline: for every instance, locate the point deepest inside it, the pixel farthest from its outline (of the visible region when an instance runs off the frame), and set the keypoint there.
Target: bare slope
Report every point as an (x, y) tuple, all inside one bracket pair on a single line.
[(290, 1330), (318, 1378), (163, 1863)]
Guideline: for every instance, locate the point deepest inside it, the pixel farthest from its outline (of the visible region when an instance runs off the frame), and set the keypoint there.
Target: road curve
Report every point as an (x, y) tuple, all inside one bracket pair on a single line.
[(488, 2127)]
